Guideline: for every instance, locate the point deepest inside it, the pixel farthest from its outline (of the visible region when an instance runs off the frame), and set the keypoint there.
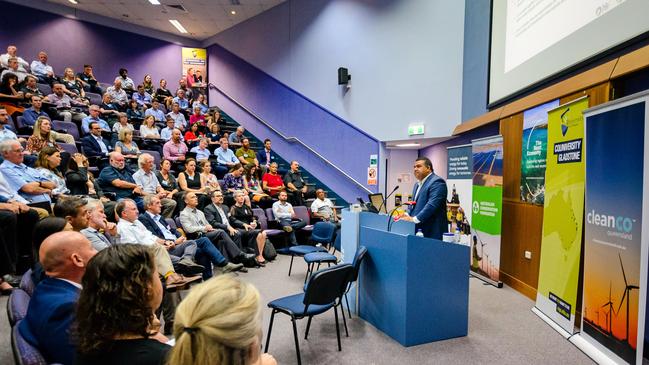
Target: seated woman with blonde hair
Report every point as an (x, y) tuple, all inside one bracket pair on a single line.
[(223, 315)]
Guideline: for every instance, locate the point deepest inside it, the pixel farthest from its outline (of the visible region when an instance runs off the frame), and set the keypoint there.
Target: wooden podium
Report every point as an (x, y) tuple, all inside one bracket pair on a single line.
[(414, 289)]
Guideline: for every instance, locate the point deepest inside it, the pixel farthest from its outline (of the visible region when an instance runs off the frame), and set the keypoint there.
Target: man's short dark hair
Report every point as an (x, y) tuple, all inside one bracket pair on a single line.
[(69, 206), (86, 66), (266, 140), (91, 123), (120, 206), (427, 162)]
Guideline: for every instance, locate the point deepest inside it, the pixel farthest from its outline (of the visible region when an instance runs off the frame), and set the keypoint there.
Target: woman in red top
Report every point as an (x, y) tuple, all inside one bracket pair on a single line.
[(192, 136), (272, 183)]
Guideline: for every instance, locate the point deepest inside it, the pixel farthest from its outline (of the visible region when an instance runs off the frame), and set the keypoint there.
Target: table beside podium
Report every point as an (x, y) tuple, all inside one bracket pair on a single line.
[(414, 289)]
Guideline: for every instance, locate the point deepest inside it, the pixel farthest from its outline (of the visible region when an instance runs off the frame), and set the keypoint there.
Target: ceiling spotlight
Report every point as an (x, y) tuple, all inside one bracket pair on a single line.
[(178, 26), (75, 2), (154, 2), (233, 12)]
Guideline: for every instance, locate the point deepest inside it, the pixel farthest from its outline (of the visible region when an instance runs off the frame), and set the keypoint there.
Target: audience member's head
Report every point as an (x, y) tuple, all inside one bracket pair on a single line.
[(170, 122), (320, 194), (49, 158), (203, 143), (87, 69), (121, 291), (165, 165), (282, 196), (96, 215), (45, 228), (58, 89), (117, 84), (12, 151), (223, 315), (4, 115), (125, 135), (95, 129), (217, 197), (145, 162), (273, 167), (11, 50), (94, 111), (37, 102), (245, 143), (117, 160), (31, 81), (190, 165), (152, 204), (175, 107), (175, 135), (73, 209), (224, 143), (239, 197), (236, 170), (191, 200), (43, 128), (149, 121), (65, 255), (163, 83), (123, 72), (126, 209), (240, 130), (295, 166)]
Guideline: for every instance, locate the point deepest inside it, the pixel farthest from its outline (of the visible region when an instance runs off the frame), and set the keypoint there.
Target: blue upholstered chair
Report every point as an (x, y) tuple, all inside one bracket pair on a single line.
[(24, 352), (17, 306), (26, 283), (324, 291), (361, 253), (323, 233)]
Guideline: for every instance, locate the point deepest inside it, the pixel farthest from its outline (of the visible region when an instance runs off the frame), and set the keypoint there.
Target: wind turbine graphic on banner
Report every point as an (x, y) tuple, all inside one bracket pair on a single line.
[(609, 314), (627, 290)]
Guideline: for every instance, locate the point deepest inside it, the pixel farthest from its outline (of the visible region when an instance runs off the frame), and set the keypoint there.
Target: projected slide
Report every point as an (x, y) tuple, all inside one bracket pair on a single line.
[(534, 25)]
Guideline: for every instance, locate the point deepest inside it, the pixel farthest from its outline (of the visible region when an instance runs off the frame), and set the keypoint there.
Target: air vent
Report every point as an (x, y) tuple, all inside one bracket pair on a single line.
[(178, 7)]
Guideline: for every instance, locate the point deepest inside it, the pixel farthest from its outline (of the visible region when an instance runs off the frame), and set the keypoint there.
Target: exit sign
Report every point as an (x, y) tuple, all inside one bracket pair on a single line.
[(416, 129)]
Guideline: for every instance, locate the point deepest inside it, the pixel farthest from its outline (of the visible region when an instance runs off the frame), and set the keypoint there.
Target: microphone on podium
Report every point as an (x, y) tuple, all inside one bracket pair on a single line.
[(409, 203), (386, 198)]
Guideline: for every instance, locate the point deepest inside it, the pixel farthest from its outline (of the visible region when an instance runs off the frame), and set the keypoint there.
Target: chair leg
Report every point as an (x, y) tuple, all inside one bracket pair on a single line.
[(308, 325), (348, 310), (337, 328), (342, 311), (297, 344), (270, 329), (291, 266), (318, 266), (308, 272)]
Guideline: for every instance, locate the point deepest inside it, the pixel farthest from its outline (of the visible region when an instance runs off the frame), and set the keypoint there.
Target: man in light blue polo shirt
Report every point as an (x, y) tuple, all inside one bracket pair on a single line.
[(94, 117), (225, 158), (154, 110), (5, 133), (28, 182)]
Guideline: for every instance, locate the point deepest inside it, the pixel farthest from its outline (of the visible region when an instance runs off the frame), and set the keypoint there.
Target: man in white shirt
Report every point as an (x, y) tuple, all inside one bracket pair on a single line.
[(41, 69), (285, 216), (323, 208), (13, 67), (167, 131), (131, 230), (12, 52), (179, 118), (145, 178)]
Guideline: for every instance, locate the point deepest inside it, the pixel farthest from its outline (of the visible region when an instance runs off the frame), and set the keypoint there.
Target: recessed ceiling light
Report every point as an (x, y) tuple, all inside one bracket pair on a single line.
[(154, 2), (233, 12), (407, 145), (75, 2), (178, 26)]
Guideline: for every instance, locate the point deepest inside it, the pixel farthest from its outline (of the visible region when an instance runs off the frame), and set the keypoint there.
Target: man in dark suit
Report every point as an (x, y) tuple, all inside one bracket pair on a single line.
[(218, 215), (429, 212), (265, 156), (64, 257), (206, 253), (95, 146)]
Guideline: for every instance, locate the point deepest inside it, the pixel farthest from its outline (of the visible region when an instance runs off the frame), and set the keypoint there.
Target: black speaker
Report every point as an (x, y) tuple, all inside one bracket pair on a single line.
[(343, 76)]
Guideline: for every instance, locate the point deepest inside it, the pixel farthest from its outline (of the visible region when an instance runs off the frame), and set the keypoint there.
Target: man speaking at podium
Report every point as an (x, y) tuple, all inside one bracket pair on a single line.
[(429, 194)]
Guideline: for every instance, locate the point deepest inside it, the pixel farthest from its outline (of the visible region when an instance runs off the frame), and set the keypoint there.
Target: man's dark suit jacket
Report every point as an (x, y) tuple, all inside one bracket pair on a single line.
[(91, 147), (214, 218), (261, 157), (152, 227), (430, 207), (50, 313)]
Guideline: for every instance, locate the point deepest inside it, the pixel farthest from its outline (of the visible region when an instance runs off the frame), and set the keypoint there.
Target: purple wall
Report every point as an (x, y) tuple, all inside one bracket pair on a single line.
[(294, 116), (72, 43)]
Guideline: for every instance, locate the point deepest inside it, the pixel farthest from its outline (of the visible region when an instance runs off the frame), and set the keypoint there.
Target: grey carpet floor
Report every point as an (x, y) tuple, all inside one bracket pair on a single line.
[(502, 330)]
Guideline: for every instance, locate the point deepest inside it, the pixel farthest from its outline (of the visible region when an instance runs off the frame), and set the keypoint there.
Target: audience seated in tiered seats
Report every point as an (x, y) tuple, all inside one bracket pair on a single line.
[(89, 81), (142, 98), (12, 52), (296, 187), (155, 111), (63, 104), (271, 182), (236, 138), (241, 216), (146, 179), (127, 82), (225, 158), (252, 184), (117, 94), (43, 71), (178, 117)]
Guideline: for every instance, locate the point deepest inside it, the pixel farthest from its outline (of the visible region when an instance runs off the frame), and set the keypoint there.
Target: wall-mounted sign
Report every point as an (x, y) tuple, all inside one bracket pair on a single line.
[(374, 160), (415, 129), (372, 173)]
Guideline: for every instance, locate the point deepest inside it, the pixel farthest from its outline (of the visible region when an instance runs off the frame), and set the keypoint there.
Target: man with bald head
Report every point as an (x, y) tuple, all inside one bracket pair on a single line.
[(64, 257), (118, 179)]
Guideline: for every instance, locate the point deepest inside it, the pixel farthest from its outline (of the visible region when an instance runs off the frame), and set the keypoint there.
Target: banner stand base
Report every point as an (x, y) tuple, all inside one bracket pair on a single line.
[(591, 351), (497, 284), (551, 323)]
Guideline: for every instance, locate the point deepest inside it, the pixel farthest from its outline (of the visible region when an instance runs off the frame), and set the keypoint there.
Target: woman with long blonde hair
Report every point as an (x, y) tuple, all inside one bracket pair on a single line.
[(42, 136), (219, 322)]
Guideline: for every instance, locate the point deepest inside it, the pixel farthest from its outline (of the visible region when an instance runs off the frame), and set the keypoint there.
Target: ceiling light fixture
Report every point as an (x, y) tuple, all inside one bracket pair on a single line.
[(178, 26), (233, 12), (75, 2), (154, 2), (407, 145)]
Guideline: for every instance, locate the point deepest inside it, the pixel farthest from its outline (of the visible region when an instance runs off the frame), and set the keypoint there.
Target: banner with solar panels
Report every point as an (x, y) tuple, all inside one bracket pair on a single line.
[(615, 232), (486, 208), (556, 298)]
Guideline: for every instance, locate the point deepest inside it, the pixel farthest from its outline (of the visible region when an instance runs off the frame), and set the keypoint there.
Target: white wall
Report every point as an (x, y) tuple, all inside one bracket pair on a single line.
[(405, 58), (400, 163)]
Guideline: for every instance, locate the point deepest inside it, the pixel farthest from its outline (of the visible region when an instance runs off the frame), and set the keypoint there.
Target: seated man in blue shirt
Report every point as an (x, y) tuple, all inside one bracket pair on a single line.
[(285, 216), (31, 114), (64, 257), (201, 151), (158, 114), (183, 103), (42, 70), (118, 179), (94, 117), (142, 97), (225, 158), (28, 182)]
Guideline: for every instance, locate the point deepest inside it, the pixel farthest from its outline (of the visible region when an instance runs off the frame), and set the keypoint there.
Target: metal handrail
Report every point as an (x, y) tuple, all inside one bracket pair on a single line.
[(287, 138)]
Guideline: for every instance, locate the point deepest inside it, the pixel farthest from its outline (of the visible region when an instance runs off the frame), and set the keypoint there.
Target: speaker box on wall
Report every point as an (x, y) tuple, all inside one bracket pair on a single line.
[(343, 76)]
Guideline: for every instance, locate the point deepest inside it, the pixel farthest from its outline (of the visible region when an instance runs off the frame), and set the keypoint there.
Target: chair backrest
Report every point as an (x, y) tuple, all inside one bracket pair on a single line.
[(261, 218), (17, 306), (67, 127), (26, 283), (361, 252), (69, 148), (24, 352), (44, 88), (156, 157), (302, 213), (323, 232), (20, 122), (327, 285), (269, 214), (94, 98), (178, 224), (171, 223)]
